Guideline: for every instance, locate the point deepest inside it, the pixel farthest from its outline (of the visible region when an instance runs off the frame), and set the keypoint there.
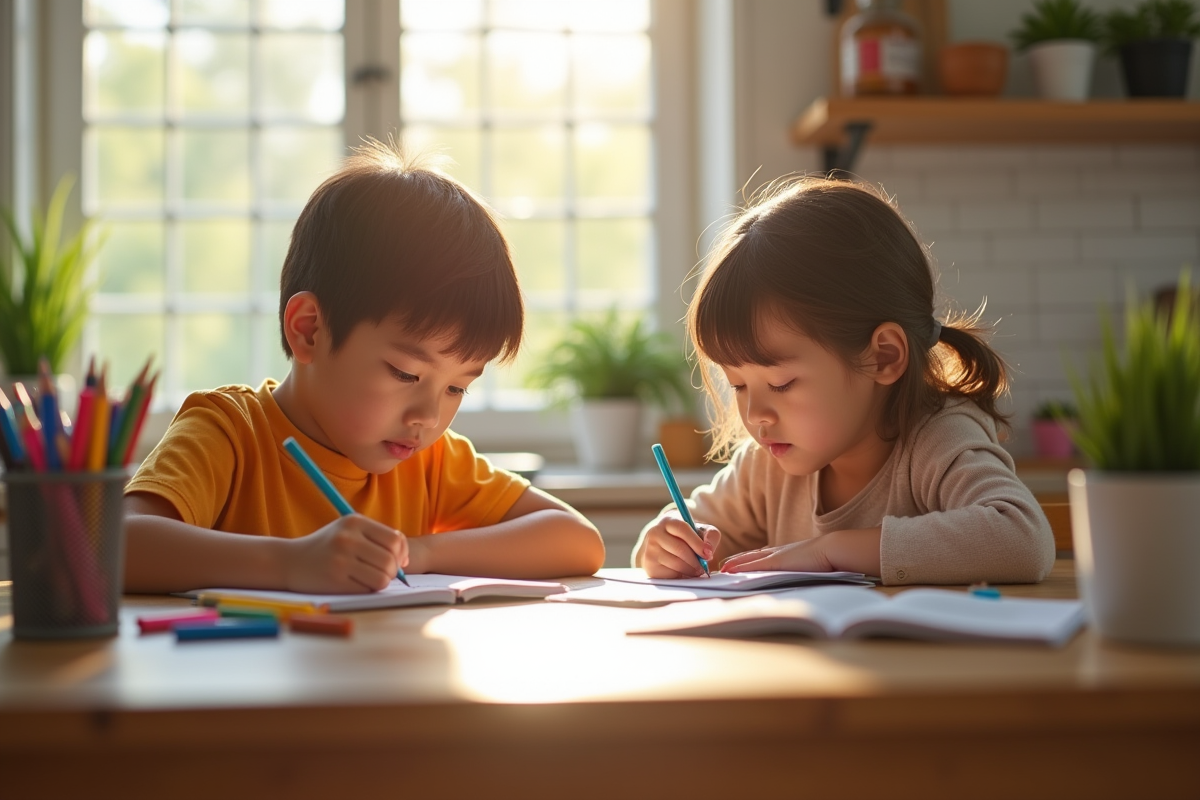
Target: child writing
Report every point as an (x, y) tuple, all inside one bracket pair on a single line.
[(396, 291), (873, 427)]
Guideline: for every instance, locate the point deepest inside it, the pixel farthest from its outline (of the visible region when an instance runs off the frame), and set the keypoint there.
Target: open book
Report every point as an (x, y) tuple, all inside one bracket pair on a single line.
[(426, 590), (854, 612), (631, 587)]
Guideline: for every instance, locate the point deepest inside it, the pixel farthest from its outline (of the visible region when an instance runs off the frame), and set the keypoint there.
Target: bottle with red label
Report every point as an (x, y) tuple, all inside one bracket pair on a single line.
[(880, 51)]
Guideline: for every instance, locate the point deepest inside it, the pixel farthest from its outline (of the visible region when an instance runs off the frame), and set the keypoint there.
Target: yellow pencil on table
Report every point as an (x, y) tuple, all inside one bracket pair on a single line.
[(283, 608)]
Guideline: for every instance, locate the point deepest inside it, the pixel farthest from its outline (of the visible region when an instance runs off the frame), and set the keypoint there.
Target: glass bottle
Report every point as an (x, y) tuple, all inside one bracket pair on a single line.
[(880, 51)]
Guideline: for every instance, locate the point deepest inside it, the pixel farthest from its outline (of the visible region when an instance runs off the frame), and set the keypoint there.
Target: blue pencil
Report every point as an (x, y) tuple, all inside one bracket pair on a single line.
[(665, 468), (328, 489)]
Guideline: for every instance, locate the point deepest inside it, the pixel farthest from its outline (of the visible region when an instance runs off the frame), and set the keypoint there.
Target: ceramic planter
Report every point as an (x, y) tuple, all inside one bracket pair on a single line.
[(1157, 67), (1062, 69), (681, 440), (1137, 554), (607, 432)]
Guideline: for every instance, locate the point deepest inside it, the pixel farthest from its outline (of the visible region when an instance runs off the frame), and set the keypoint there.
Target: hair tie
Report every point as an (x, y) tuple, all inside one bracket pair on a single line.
[(937, 335)]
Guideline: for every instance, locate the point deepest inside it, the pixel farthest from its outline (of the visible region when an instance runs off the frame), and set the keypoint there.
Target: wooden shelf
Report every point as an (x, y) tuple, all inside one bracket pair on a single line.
[(943, 120)]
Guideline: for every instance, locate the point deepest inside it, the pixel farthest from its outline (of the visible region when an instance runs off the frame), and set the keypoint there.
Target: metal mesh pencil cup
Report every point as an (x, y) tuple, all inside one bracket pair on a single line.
[(67, 547)]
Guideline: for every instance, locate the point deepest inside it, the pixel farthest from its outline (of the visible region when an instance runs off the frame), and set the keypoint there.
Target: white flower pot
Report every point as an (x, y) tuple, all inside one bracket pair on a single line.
[(1137, 554), (607, 432), (1062, 69)]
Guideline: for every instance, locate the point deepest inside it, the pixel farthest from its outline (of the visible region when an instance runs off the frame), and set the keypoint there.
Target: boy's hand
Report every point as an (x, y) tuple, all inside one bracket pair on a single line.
[(671, 548), (352, 554)]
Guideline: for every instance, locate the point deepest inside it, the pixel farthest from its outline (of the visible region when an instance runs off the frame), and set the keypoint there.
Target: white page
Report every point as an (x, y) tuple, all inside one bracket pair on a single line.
[(395, 594), (736, 582), (810, 612), (941, 614), (470, 588), (638, 595)]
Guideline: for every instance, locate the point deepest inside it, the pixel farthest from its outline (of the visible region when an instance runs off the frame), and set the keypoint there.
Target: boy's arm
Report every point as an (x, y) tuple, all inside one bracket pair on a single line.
[(539, 537), (165, 554)]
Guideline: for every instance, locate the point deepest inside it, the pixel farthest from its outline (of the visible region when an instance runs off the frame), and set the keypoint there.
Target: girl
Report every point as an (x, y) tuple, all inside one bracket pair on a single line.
[(873, 427)]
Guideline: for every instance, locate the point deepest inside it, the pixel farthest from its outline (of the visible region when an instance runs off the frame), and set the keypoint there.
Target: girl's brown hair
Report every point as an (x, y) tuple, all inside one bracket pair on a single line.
[(834, 260)]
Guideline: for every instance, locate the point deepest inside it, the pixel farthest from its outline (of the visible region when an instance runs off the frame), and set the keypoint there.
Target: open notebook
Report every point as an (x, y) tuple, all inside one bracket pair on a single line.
[(851, 612), (426, 590), (631, 587)]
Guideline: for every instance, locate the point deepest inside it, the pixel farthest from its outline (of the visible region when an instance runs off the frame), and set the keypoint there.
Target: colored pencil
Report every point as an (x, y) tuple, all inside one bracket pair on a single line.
[(98, 446), (673, 487), (12, 436), (83, 429), (147, 398)]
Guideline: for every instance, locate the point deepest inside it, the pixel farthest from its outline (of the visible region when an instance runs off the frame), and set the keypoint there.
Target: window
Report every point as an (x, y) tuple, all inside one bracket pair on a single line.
[(207, 123)]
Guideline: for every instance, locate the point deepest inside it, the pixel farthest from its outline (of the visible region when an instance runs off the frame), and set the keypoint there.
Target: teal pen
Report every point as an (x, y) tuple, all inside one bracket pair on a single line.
[(665, 468), (334, 496)]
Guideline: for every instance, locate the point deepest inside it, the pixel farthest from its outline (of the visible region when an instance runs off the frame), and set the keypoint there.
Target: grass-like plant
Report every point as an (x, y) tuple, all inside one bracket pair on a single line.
[(43, 294), (1056, 19), (1056, 410), (607, 359), (1140, 409), (1152, 19)]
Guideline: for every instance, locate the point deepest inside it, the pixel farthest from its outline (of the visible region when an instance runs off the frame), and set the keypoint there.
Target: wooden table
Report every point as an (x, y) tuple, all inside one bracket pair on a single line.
[(540, 699)]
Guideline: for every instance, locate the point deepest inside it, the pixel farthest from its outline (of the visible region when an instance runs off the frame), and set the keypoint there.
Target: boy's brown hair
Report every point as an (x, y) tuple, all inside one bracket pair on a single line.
[(834, 260), (389, 236)]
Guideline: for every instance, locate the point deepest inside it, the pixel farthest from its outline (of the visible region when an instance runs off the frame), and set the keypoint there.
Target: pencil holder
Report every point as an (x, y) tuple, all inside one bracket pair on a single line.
[(67, 547)]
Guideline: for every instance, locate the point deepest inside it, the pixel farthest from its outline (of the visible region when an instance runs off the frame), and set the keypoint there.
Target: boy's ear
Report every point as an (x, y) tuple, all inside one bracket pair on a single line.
[(301, 322), (887, 354)]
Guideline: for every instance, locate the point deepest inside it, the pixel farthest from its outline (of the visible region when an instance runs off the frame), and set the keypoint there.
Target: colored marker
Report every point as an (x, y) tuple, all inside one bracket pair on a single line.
[(280, 607), (325, 624), (982, 590), (162, 623), (226, 610), (331, 493), (226, 629), (665, 468)]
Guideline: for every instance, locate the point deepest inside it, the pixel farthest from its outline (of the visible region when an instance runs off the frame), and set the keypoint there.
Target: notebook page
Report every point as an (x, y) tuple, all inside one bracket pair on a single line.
[(394, 595), (638, 595), (736, 582), (756, 615), (468, 588)]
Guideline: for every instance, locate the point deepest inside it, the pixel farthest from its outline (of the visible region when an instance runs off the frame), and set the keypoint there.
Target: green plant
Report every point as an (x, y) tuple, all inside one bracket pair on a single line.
[(1056, 19), (43, 296), (1055, 410), (1152, 19), (606, 359), (1140, 410)]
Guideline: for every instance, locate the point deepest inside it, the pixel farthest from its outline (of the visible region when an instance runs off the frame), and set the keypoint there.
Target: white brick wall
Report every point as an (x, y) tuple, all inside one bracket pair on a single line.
[(1047, 235)]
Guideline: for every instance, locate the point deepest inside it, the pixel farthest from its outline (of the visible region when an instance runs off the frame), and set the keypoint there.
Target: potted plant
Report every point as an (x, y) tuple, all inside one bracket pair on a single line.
[(1060, 37), (609, 369), (43, 291), (1134, 513), (1154, 43), (1053, 423)]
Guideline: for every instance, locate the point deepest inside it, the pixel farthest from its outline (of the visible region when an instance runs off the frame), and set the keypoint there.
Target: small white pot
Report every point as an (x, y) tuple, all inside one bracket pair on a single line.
[(607, 432), (1062, 69), (1137, 553)]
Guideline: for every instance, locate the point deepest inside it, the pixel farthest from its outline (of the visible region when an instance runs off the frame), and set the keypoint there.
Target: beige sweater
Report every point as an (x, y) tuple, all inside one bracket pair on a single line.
[(951, 507)]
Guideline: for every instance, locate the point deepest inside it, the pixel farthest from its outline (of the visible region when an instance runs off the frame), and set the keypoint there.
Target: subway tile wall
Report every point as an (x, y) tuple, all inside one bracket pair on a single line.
[(1048, 235)]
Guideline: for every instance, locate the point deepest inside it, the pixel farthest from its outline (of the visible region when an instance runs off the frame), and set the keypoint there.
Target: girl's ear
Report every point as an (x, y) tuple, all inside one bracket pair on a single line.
[(301, 322), (887, 354)]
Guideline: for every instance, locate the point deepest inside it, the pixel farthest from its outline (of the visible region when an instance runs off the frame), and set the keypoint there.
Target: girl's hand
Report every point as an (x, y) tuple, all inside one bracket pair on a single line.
[(806, 556), (671, 547), (352, 554)]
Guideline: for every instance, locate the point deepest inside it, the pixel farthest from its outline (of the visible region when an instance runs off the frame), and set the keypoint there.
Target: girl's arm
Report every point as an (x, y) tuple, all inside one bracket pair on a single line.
[(539, 537), (849, 551)]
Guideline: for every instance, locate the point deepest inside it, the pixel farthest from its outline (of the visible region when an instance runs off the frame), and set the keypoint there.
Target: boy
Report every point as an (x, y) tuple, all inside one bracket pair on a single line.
[(396, 291)]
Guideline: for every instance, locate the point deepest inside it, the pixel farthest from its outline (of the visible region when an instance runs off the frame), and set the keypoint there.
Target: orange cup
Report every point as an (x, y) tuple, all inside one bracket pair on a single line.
[(973, 69)]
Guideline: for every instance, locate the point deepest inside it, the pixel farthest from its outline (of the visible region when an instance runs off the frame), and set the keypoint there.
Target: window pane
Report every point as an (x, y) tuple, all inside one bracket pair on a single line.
[(275, 237), (296, 160), (612, 74), (126, 341), (527, 73), (123, 73), (133, 258), (326, 15), (216, 166), (124, 166), (542, 330), (213, 70), (532, 14), (216, 256), (614, 258), (609, 15), (539, 250), (528, 164), (277, 364), (439, 15), (462, 148), (126, 13), (214, 349), (302, 76), (439, 75), (226, 13), (612, 166)]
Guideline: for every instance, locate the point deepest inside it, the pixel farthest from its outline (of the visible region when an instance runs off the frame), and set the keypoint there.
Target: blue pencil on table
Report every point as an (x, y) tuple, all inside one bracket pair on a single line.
[(331, 493), (665, 468)]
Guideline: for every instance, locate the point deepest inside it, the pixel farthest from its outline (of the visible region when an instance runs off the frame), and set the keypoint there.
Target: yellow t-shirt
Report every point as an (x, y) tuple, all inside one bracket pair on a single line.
[(223, 466)]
